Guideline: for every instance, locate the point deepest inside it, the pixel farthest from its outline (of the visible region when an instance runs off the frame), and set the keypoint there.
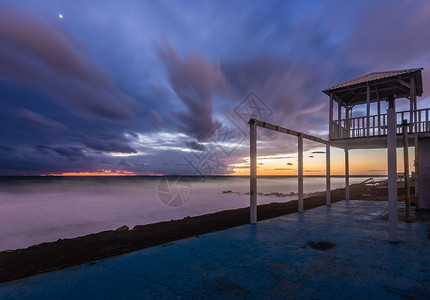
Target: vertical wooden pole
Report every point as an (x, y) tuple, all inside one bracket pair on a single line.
[(379, 117), (300, 172), (406, 170), (339, 112), (328, 186), (330, 127), (412, 120), (347, 121), (253, 171), (368, 109), (346, 174), (392, 170), (413, 97), (417, 173)]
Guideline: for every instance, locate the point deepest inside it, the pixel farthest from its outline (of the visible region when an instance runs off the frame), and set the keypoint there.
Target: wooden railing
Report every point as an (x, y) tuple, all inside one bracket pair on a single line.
[(376, 125)]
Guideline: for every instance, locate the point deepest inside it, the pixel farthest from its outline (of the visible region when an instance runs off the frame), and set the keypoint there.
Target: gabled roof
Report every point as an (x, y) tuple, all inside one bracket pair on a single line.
[(382, 84)]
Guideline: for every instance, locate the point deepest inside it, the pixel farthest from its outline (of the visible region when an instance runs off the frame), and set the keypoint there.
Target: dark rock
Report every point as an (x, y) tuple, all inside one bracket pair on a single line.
[(122, 228), (322, 245)]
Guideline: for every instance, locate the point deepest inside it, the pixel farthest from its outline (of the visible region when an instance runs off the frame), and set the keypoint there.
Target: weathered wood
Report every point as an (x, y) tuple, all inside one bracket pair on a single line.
[(253, 171)]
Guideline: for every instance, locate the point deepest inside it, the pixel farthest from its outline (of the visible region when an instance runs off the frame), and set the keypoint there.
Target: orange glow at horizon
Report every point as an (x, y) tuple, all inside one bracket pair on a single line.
[(361, 162), (97, 173)]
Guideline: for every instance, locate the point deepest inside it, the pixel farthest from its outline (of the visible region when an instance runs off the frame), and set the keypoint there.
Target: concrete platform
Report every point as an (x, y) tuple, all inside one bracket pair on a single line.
[(272, 259)]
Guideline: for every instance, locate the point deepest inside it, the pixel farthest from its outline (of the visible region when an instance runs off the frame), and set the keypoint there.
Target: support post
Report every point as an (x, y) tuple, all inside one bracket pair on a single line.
[(253, 171), (392, 170), (330, 127), (346, 174), (413, 97), (412, 119), (347, 121), (417, 173), (328, 200), (379, 117), (300, 172), (406, 170), (368, 109)]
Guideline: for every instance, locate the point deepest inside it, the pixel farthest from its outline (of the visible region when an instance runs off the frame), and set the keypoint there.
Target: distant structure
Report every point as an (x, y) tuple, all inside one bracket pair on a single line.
[(371, 127)]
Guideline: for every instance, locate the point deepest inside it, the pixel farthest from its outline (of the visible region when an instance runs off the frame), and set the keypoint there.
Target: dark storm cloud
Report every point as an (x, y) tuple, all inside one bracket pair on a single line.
[(195, 82), (107, 143), (194, 145), (37, 119), (41, 55)]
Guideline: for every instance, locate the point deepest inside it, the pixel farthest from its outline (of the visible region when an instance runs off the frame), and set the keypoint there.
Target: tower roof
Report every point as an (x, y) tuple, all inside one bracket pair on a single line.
[(382, 85)]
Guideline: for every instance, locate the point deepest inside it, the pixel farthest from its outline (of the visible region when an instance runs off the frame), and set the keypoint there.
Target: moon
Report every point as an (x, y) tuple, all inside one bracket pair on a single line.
[(60, 16)]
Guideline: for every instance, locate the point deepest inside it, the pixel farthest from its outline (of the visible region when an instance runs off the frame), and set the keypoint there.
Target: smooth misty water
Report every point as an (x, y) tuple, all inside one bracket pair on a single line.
[(43, 209)]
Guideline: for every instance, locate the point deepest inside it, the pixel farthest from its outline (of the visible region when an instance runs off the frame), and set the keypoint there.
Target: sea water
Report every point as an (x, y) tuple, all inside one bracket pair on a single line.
[(44, 209)]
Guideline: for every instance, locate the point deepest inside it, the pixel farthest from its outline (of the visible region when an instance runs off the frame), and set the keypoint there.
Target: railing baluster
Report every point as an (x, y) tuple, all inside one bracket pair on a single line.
[(427, 119), (419, 121)]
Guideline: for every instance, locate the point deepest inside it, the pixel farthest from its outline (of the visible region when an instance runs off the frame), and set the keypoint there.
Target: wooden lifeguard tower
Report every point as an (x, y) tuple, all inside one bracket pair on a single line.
[(371, 127)]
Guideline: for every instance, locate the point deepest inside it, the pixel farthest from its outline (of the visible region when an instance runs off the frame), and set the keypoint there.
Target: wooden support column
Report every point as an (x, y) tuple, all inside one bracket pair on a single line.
[(413, 99), (347, 121), (328, 186), (417, 173), (300, 172), (412, 117), (406, 170), (253, 171), (368, 109), (330, 127), (379, 116), (392, 171), (346, 174)]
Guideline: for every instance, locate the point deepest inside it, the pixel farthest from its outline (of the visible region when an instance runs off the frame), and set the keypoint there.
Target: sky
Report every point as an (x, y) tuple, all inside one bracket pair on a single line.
[(166, 87)]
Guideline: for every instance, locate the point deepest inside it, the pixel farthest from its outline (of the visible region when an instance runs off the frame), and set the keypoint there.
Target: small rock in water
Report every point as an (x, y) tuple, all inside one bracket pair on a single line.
[(122, 228)]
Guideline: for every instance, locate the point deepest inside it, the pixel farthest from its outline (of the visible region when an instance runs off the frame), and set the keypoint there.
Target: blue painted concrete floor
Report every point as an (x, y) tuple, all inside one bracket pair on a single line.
[(272, 259)]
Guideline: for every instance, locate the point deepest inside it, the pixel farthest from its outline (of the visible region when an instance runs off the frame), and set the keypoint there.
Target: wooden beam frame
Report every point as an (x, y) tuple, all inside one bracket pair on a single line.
[(253, 124)]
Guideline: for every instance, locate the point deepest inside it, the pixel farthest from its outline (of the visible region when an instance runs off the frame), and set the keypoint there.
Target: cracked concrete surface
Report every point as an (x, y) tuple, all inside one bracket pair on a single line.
[(272, 259)]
